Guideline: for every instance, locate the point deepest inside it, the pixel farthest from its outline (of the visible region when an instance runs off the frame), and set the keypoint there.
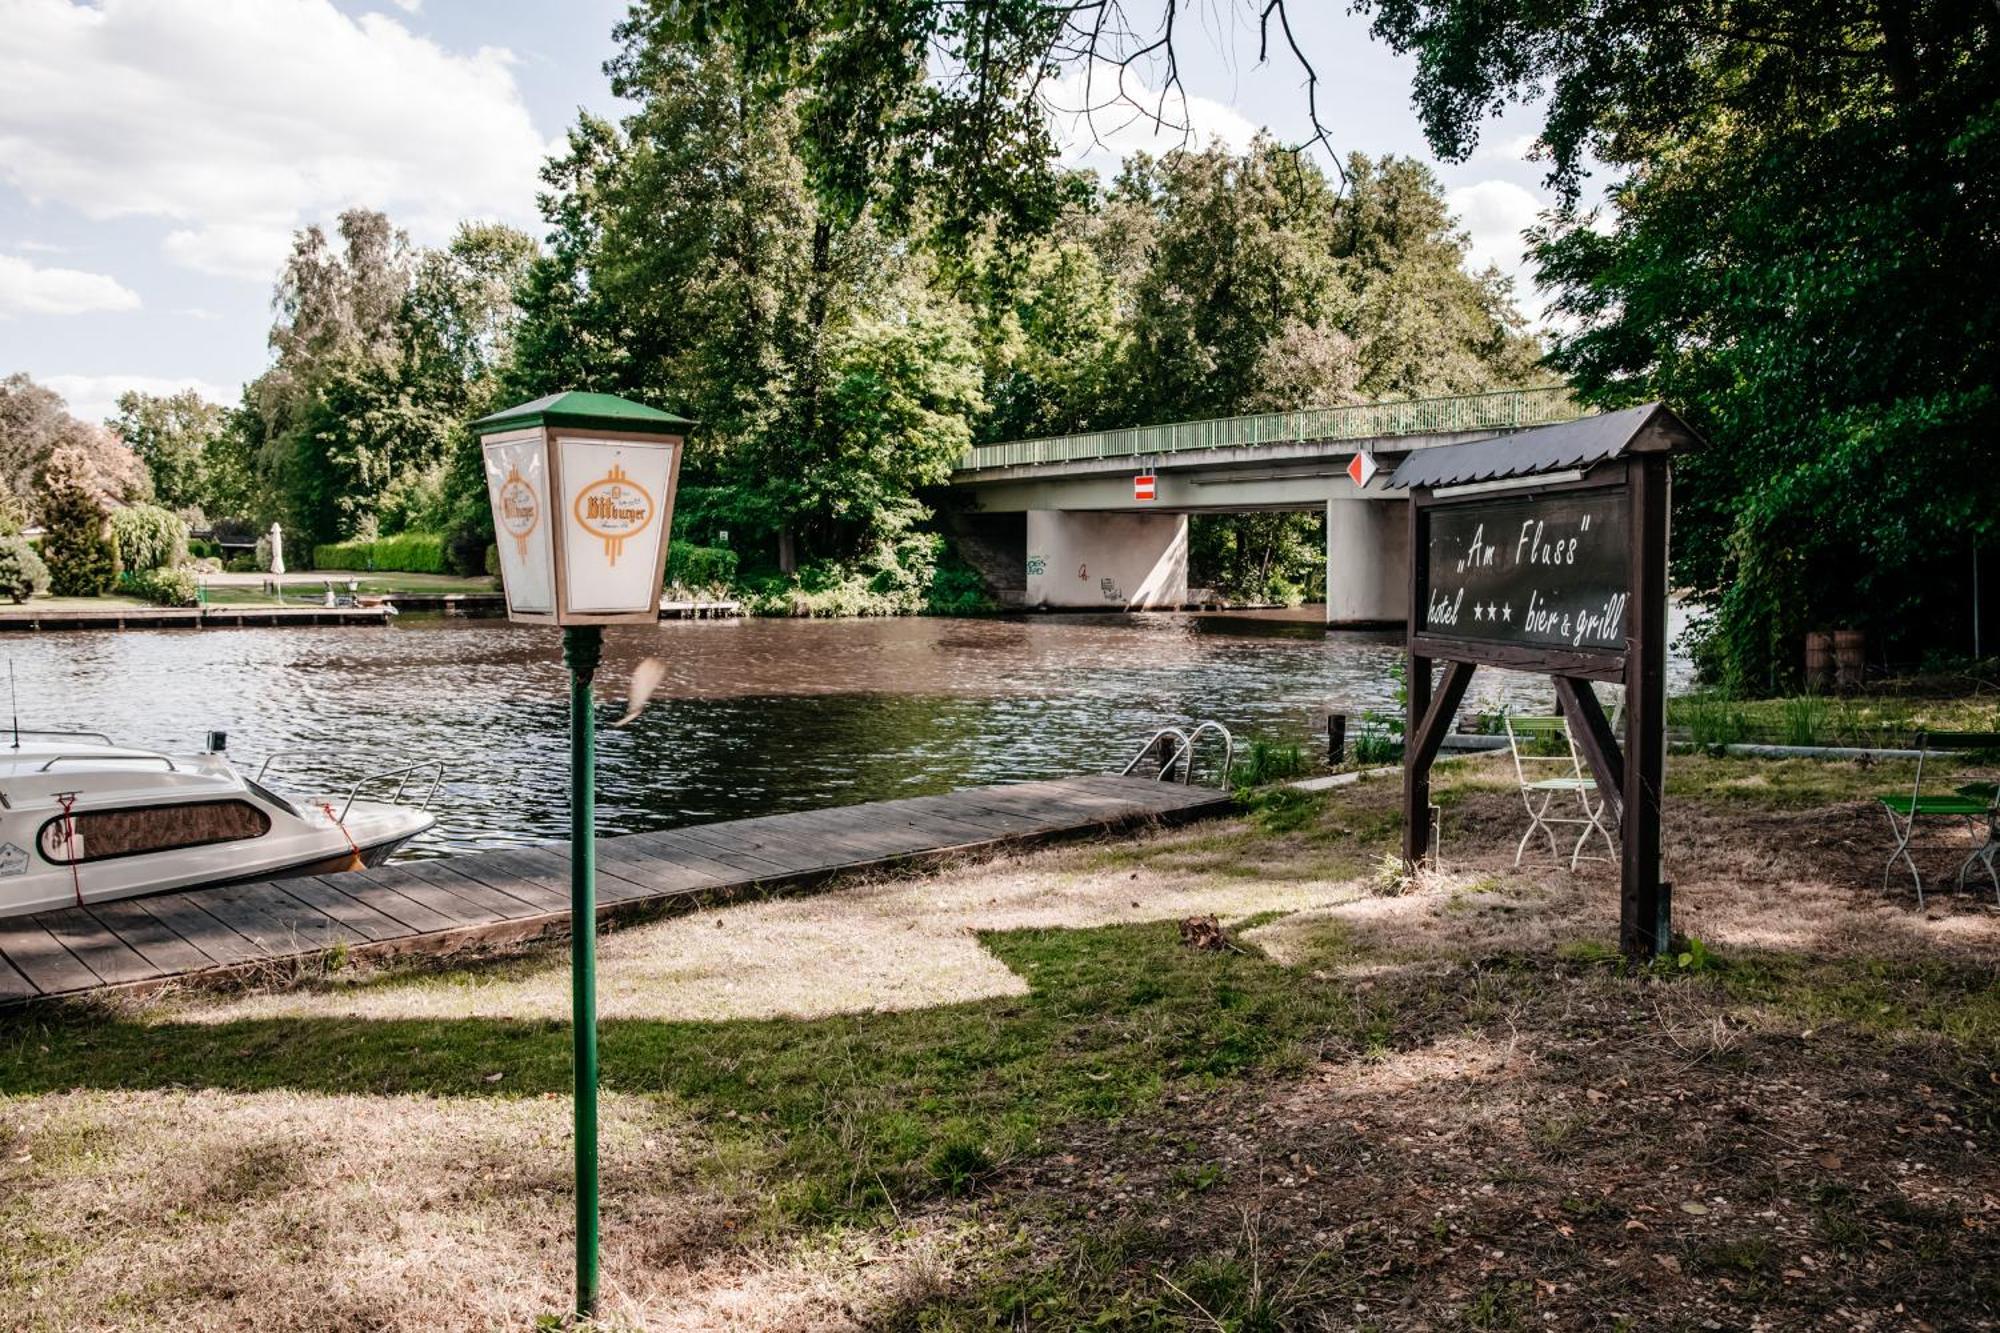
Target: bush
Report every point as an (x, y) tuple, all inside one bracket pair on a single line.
[(700, 567), (957, 589), (200, 548), (82, 554), (244, 564), (1268, 761), (492, 560), (406, 552), (166, 586), (22, 573), (149, 537)]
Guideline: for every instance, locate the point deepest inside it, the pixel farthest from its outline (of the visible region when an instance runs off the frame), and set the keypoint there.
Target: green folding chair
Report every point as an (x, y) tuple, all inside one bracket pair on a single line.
[(1972, 804), (1549, 767)]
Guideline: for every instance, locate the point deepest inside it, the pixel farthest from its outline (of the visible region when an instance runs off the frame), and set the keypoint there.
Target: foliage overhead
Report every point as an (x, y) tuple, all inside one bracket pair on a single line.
[(1800, 253), (940, 110)]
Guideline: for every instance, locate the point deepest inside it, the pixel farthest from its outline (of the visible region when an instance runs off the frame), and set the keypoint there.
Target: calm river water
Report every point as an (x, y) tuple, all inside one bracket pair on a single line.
[(755, 716)]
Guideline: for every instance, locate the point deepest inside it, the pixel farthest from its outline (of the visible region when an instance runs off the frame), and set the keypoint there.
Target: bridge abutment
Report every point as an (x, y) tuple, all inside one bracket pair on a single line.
[(1107, 561), (1367, 562)]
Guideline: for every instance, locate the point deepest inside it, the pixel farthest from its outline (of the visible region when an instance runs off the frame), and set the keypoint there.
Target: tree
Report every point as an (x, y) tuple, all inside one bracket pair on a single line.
[(76, 541), (383, 353), (691, 266), (1797, 251), (35, 424), (171, 434), (938, 109)]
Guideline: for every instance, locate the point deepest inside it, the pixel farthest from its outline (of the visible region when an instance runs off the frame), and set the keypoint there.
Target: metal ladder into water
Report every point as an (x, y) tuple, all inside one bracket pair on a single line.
[(1179, 748)]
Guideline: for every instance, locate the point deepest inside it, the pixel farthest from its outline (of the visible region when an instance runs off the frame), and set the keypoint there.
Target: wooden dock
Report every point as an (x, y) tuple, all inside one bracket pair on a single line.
[(485, 899), (32, 617)]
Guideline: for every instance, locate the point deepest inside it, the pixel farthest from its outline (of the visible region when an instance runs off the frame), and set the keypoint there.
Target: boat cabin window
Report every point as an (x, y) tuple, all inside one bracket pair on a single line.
[(100, 835)]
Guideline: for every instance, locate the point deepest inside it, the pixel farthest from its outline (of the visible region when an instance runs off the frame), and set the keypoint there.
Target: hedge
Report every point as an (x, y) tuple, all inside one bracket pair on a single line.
[(407, 552), (691, 566)]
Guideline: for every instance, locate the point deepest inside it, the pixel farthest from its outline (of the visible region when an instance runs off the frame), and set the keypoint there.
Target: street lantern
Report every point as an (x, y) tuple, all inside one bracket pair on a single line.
[(582, 490)]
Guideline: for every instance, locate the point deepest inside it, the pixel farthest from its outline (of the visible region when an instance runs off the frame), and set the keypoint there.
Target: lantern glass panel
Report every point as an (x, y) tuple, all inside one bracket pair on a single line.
[(616, 498), (517, 485)]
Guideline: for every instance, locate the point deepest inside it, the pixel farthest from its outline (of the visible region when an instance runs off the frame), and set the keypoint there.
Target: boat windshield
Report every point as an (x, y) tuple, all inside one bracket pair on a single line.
[(274, 798)]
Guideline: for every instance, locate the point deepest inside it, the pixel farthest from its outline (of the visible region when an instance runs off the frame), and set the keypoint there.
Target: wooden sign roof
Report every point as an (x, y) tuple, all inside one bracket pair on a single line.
[(1573, 445)]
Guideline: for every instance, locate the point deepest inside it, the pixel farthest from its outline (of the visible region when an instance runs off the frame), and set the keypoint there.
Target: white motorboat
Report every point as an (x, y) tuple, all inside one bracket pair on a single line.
[(83, 820)]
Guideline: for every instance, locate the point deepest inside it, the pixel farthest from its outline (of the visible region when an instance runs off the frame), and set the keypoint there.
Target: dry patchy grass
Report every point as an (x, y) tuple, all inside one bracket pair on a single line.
[(1003, 1095)]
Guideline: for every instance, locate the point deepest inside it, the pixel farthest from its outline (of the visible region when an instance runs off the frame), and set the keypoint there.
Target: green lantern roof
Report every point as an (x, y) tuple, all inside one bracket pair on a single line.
[(587, 411)]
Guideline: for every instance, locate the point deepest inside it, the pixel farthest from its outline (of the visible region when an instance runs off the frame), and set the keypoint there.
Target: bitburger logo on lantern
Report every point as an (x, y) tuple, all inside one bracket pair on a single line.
[(613, 508)]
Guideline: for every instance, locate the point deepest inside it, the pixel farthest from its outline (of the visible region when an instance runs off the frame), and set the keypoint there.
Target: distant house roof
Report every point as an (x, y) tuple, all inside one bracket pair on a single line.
[(589, 411), (1651, 428)]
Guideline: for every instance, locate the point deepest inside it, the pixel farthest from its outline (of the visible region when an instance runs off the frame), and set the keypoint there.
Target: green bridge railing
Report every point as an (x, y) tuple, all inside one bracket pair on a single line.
[(1502, 409)]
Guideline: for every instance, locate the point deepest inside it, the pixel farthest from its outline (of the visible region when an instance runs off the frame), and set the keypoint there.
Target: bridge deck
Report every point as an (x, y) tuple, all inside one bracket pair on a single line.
[(442, 906), (1500, 409)]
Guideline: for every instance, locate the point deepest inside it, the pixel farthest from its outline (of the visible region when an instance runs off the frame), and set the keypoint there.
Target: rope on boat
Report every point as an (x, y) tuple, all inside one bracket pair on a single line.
[(68, 801), (352, 846)]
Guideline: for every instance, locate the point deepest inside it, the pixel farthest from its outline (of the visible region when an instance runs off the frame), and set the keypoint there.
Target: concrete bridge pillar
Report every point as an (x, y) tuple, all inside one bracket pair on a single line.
[(1107, 561), (1367, 562)]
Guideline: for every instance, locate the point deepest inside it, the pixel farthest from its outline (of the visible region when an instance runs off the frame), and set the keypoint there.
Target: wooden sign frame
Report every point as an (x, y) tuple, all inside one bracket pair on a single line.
[(1631, 776)]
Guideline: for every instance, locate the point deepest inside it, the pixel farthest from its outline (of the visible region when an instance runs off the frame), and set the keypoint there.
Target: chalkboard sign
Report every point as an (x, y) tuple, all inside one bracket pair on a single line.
[(1535, 571)]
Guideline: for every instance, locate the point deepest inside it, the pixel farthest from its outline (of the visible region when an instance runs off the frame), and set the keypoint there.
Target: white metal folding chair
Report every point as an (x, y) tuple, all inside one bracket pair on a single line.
[(1546, 778)]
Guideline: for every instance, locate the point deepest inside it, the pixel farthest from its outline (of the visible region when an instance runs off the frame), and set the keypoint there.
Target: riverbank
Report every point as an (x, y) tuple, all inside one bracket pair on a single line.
[(1006, 1094)]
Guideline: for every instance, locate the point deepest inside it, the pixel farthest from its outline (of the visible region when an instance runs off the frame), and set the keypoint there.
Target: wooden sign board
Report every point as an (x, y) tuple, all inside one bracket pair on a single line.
[(1533, 571), (1567, 578)]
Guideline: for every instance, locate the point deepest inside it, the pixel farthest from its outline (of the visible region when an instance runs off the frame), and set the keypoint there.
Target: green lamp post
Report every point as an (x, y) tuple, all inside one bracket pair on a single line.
[(582, 489)]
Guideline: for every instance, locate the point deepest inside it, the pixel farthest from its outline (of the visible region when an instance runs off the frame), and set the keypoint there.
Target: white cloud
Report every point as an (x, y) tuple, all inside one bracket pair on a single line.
[(26, 289), (1513, 148), (408, 6), (1099, 120), (237, 121), (95, 397), (1494, 213)]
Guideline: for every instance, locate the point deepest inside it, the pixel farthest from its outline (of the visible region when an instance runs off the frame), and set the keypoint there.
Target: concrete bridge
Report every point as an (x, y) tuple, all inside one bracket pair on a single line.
[(1064, 522)]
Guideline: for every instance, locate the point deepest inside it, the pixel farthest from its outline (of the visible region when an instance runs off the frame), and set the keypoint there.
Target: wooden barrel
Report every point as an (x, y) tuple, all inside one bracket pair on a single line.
[(1819, 659), (1850, 658)]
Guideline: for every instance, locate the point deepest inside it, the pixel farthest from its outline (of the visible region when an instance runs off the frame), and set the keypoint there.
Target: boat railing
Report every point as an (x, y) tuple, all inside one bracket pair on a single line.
[(403, 776), (172, 767), (97, 736)]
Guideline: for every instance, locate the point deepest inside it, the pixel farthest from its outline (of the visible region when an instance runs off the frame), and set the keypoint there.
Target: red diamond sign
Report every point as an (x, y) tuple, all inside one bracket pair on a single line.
[(1142, 486), (1362, 469)]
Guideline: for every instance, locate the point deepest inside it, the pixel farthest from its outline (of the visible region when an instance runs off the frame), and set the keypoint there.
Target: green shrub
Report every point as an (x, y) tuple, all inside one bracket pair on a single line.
[(957, 589), (1712, 720), (200, 548), (700, 567), (166, 586), (149, 537), (492, 560), (1268, 761), (245, 563), (406, 552), (22, 573), (77, 543)]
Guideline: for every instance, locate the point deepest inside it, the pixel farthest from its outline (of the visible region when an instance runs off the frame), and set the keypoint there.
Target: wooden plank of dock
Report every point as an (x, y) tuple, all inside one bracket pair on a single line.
[(485, 898)]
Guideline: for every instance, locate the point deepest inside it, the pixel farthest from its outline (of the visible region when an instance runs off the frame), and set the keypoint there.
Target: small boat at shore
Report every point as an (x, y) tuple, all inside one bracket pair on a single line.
[(84, 820)]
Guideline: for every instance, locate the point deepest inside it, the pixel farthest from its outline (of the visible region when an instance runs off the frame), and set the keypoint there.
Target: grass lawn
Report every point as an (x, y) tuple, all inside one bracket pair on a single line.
[(1006, 1095)]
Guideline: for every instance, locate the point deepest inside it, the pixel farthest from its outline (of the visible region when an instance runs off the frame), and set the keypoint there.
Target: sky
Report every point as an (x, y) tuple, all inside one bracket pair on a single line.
[(157, 155)]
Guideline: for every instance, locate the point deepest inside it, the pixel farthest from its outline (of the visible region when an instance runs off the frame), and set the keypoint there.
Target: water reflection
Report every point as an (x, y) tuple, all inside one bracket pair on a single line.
[(754, 717)]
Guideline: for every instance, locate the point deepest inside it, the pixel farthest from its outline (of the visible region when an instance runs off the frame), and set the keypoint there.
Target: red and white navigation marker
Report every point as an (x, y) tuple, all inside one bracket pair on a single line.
[(1362, 468), (1142, 486)]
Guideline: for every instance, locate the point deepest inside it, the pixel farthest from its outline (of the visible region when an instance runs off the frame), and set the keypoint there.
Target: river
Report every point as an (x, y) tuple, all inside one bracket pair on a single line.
[(755, 716)]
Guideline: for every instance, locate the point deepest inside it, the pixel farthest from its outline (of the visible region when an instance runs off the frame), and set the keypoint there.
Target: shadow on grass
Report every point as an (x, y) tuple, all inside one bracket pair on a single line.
[(852, 1109)]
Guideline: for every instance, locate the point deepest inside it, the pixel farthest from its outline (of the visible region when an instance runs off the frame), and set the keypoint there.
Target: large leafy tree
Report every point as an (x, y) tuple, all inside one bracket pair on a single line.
[(382, 352), (937, 110), (171, 434), (1799, 250), (691, 265)]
